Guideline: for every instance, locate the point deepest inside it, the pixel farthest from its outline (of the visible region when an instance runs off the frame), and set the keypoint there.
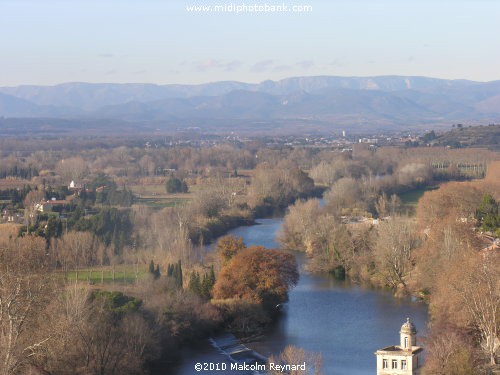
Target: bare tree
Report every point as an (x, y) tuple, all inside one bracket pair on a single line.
[(478, 288), (78, 249), (97, 334), (345, 196), (333, 245), (448, 354), (74, 168), (31, 202), (25, 289), (395, 204), (382, 205), (300, 228), (298, 357), (393, 251), (147, 165), (170, 230)]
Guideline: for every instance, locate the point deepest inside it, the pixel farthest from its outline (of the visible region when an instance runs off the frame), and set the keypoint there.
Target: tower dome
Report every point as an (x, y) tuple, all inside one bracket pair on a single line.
[(408, 335), (408, 327)]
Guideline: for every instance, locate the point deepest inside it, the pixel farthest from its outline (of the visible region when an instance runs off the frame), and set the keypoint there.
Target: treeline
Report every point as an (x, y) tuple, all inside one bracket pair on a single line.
[(18, 170), (15, 197), (395, 170), (89, 209), (59, 167), (111, 226), (458, 278)]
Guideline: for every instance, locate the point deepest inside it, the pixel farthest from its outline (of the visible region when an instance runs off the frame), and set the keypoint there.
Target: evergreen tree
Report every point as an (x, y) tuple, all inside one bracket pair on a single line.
[(211, 276), (194, 283), (488, 213), (175, 185), (205, 287), (179, 275), (53, 228), (175, 271), (170, 270), (208, 284), (154, 270)]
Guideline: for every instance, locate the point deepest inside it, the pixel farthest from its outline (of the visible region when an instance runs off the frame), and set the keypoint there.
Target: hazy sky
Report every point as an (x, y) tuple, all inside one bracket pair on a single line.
[(159, 41)]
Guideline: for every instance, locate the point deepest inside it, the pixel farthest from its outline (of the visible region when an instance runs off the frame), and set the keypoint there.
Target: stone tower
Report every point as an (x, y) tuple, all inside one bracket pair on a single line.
[(408, 335)]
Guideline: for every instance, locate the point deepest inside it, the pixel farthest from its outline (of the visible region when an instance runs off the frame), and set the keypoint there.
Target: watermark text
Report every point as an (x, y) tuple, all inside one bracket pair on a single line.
[(249, 8)]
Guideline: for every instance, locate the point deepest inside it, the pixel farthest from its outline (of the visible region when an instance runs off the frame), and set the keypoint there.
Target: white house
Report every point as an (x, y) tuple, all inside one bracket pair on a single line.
[(402, 359)]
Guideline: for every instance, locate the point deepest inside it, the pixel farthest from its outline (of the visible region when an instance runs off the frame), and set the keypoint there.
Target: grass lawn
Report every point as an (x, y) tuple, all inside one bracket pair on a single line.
[(411, 197), (154, 195), (122, 274), (159, 202), (146, 190)]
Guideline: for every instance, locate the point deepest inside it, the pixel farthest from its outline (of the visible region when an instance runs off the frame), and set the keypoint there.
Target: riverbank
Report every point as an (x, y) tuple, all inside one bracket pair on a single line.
[(222, 224)]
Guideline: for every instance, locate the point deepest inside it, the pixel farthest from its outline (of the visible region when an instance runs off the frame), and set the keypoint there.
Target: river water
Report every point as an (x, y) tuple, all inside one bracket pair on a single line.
[(345, 323)]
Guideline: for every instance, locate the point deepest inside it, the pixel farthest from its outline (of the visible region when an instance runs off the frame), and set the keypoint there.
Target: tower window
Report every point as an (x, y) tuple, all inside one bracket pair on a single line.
[(385, 363), (406, 342), (394, 364), (403, 364)]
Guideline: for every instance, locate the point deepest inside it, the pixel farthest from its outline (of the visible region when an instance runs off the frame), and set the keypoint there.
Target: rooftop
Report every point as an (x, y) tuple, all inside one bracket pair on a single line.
[(55, 201), (408, 327), (397, 350)]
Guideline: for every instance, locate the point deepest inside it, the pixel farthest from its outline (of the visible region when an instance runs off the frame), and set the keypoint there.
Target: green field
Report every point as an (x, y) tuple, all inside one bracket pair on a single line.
[(411, 197), (122, 274), (159, 202), (154, 195)]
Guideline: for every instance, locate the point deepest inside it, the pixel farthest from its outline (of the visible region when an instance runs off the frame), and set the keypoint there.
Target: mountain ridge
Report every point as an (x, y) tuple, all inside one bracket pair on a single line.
[(341, 101)]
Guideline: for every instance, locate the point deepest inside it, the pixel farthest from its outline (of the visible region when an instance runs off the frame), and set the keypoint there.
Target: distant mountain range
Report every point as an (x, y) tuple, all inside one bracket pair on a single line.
[(324, 101)]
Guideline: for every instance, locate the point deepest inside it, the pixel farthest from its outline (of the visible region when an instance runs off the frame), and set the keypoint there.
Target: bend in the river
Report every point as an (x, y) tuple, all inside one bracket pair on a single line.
[(345, 323)]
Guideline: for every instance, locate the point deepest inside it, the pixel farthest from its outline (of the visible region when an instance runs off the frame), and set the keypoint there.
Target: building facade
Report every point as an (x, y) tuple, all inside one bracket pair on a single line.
[(402, 359)]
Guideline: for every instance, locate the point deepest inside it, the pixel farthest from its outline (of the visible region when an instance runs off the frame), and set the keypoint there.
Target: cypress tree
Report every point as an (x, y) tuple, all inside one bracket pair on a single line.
[(194, 283), (212, 277), (205, 287), (208, 284), (170, 270), (175, 272)]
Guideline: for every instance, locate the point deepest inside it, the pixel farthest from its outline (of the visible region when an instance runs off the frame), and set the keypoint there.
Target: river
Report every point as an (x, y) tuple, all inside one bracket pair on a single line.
[(344, 322)]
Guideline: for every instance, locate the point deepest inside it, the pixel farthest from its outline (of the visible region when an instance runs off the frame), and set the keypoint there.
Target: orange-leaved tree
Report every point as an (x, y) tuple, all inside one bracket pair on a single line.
[(228, 246), (259, 275)]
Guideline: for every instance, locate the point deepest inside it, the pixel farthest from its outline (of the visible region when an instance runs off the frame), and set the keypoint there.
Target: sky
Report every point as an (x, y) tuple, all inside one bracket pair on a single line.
[(46, 42)]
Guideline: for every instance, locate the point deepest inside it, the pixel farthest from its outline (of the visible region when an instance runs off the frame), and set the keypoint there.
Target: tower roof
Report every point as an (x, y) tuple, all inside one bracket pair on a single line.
[(408, 327)]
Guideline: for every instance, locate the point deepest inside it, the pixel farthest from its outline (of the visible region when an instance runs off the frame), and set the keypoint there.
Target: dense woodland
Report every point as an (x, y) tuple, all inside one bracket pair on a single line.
[(102, 269)]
